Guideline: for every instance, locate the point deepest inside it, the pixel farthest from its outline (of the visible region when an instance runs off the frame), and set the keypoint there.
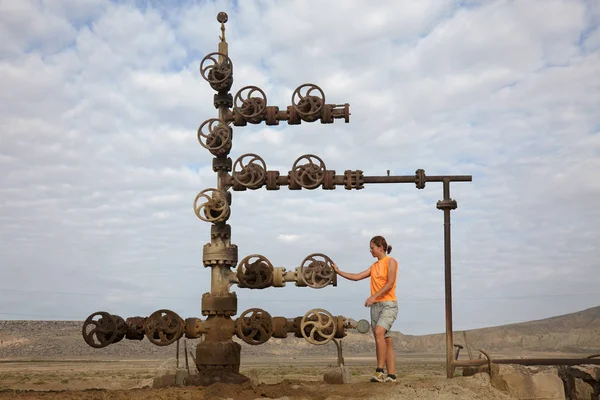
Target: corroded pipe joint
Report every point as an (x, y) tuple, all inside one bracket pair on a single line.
[(299, 281), (272, 180), (295, 326), (237, 186), (135, 328), (332, 112), (329, 180), (278, 277), (340, 327), (280, 327), (194, 328), (219, 254), (446, 204), (222, 164), (290, 276), (293, 117), (219, 305), (271, 115), (354, 180), (220, 231), (223, 99), (218, 328), (342, 111), (292, 183), (238, 120), (420, 178), (327, 114), (281, 276)]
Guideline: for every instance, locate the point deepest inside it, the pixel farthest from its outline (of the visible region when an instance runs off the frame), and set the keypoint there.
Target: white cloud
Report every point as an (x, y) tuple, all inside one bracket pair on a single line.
[(100, 161), (288, 238)]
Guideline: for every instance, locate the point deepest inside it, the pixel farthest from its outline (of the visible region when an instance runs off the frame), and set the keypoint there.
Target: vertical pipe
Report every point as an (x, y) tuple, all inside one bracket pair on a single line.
[(187, 364), (448, 283), (177, 353)]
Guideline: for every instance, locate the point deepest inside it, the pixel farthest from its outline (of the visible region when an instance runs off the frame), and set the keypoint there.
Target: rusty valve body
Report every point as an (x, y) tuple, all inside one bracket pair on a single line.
[(255, 326)]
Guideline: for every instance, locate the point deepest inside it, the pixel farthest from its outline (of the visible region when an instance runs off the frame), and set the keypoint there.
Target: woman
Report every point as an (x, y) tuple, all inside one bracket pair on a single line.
[(384, 307)]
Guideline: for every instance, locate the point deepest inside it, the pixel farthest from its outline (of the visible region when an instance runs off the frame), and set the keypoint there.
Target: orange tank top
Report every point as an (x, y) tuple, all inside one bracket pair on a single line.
[(379, 271)]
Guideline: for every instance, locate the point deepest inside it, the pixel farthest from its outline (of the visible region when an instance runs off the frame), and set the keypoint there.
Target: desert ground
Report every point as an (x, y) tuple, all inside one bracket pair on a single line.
[(300, 378)]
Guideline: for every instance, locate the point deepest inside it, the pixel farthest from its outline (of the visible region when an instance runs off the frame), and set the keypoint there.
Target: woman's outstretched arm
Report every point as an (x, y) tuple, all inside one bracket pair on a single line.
[(350, 276)]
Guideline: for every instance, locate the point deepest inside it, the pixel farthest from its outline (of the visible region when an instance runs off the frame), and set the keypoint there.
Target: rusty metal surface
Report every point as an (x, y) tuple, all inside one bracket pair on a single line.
[(255, 272), (250, 171), (308, 101), (215, 254), (219, 305), (135, 328), (164, 327), (250, 103), (218, 353), (100, 329), (215, 136), (280, 327), (254, 326), (316, 271), (194, 328), (308, 171), (217, 69), (318, 326), (340, 327), (214, 208)]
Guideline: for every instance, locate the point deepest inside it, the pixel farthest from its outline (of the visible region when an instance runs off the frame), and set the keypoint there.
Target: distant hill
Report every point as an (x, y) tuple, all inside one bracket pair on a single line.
[(572, 333)]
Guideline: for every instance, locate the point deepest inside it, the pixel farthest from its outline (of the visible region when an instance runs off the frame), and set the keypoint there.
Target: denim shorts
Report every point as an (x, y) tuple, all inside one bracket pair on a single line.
[(384, 313)]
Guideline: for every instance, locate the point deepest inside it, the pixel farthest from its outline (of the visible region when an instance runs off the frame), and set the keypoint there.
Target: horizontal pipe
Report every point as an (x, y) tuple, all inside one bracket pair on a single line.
[(412, 178), (529, 361), (340, 180)]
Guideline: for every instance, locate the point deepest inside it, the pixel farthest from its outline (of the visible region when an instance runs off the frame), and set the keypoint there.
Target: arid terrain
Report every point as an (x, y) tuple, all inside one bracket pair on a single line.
[(49, 360)]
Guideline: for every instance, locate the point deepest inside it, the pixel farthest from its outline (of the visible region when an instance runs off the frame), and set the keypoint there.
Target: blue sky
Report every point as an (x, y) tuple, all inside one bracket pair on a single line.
[(100, 162)]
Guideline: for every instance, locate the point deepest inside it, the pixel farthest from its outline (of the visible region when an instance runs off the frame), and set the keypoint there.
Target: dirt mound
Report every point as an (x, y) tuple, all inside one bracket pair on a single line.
[(472, 388)]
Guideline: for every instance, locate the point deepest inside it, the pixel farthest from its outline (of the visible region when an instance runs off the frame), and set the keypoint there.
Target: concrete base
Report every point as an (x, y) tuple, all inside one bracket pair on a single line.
[(168, 375), (337, 375)]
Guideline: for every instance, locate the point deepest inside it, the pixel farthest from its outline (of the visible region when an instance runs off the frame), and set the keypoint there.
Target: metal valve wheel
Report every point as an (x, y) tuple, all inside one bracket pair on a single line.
[(308, 100), (164, 327), (215, 208), (317, 271), (309, 174), (100, 329), (214, 71), (254, 326), (257, 274), (215, 135), (250, 173), (318, 326), (363, 326), (250, 102)]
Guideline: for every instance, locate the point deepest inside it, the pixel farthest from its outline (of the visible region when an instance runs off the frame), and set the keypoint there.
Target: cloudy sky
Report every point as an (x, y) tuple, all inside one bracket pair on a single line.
[(100, 164)]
